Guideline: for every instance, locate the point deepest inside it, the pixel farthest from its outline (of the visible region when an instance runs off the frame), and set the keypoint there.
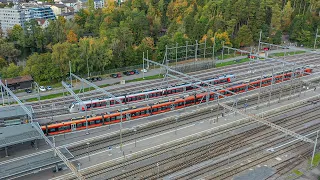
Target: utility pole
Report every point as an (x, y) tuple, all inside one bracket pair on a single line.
[(314, 149), (87, 61), (214, 43), (259, 42), (70, 73), (143, 69)]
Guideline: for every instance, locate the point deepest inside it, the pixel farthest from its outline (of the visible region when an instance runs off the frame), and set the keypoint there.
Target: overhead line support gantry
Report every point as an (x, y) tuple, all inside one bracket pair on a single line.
[(37, 127)]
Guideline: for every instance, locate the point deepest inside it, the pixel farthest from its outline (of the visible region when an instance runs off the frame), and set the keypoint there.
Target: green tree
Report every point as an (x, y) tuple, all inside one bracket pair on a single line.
[(3, 63), (161, 46), (8, 50), (15, 33), (60, 57), (276, 19), (41, 67), (286, 16), (244, 37), (11, 71)]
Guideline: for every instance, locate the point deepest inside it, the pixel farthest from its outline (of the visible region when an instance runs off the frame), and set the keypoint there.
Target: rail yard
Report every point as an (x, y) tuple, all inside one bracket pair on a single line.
[(253, 120)]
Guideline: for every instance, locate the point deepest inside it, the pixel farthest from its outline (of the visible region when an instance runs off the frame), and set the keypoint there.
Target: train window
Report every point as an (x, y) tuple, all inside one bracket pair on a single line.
[(137, 113), (52, 130), (107, 119), (103, 103), (154, 109), (98, 104), (143, 112), (98, 121), (94, 105), (88, 105), (112, 102), (142, 96), (174, 91), (113, 118), (158, 93), (134, 98), (79, 125), (91, 122), (164, 107), (63, 128)]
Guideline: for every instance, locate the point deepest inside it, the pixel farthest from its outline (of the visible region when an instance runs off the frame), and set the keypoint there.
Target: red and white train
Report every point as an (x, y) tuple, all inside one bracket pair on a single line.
[(153, 93), (105, 119)]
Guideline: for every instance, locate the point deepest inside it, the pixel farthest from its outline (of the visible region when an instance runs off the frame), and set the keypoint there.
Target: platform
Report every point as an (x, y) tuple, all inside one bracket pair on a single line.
[(13, 112), (17, 134), (30, 162)]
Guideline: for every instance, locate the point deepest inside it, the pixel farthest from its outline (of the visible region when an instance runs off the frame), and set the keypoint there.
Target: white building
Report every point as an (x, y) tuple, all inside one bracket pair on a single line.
[(59, 9), (20, 14), (98, 4), (12, 16)]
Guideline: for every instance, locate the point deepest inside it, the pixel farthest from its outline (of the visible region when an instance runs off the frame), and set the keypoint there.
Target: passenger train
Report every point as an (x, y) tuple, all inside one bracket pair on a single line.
[(173, 104), (153, 93)]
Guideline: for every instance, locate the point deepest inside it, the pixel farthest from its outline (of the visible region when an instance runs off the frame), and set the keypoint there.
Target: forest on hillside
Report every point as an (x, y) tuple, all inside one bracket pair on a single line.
[(116, 36)]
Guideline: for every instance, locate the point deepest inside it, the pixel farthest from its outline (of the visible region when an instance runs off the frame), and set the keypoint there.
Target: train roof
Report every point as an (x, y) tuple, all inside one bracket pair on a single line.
[(160, 90)]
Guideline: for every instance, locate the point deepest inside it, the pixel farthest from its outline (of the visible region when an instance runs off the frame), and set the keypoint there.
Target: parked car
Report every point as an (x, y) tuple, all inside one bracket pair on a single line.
[(135, 71), (118, 75), (42, 88), (28, 91), (127, 73), (144, 70), (69, 85), (49, 88), (99, 78)]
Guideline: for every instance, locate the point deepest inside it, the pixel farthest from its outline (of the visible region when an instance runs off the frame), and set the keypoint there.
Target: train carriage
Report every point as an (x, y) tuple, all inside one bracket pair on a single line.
[(162, 107)]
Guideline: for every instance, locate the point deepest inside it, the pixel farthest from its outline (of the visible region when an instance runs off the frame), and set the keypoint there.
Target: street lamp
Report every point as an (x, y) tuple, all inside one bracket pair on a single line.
[(79, 166)]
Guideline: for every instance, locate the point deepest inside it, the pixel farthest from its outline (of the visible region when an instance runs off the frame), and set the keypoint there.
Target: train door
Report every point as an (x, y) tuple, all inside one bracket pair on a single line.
[(73, 127), (172, 107), (128, 117)]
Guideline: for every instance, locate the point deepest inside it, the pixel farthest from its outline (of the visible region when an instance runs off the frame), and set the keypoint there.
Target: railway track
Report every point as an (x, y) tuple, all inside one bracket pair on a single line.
[(233, 69), (175, 146), (65, 111), (161, 127), (196, 155)]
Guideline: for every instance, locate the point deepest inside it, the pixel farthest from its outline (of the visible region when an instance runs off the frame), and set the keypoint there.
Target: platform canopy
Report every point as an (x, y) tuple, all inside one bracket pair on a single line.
[(17, 134), (32, 162), (13, 111)]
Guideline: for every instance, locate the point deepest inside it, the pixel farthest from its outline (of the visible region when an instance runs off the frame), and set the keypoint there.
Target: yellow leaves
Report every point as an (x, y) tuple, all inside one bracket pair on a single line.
[(203, 39), (224, 37), (149, 42), (110, 6), (72, 37), (177, 9), (179, 20)]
